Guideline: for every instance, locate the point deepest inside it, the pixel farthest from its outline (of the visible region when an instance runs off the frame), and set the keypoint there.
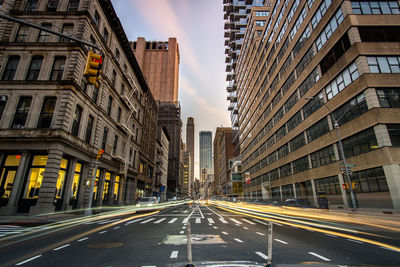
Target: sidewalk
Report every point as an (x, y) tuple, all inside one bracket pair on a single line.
[(29, 221)]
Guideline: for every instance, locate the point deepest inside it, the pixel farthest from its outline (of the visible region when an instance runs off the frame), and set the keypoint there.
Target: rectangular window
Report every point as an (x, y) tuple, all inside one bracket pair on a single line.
[(62, 177), (317, 130), (322, 157), (96, 19), (309, 82), (351, 110), (329, 185), (389, 97), (106, 189), (379, 34), (300, 165), (31, 5), (329, 29), (297, 142), (105, 35), (21, 113), (104, 141), (344, 79), (46, 115), (95, 94), (360, 143), (58, 69), (116, 187), (394, 133), (119, 115), (22, 35), (294, 121), (117, 54), (113, 77), (309, 55), (312, 105), (76, 120), (375, 7), (384, 64), (285, 170), (11, 68), (34, 68), (370, 180), (109, 105), (3, 102), (89, 128), (52, 5), (35, 177), (76, 181), (44, 37), (320, 12), (67, 29), (73, 5), (335, 53)]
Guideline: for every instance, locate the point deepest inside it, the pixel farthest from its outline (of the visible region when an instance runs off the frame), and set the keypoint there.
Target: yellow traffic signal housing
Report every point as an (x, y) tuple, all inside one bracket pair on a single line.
[(100, 153), (93, 66)]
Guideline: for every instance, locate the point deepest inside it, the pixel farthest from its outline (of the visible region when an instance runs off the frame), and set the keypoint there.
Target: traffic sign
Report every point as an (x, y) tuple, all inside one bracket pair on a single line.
[(348, 164)]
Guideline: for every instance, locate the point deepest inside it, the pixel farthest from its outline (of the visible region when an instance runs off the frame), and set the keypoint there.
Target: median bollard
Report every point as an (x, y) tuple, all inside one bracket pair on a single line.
[(189, 245), (269, 264)]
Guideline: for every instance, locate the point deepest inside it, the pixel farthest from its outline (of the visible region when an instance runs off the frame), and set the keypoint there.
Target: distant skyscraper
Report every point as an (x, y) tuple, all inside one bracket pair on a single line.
[(206, 165), (190, 145)]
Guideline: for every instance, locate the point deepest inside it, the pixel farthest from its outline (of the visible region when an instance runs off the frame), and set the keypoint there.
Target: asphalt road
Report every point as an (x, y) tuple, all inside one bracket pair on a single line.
[(159, 240)]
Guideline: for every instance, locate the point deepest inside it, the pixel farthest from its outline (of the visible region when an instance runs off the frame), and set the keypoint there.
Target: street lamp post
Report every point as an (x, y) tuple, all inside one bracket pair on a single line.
[(336, 125)]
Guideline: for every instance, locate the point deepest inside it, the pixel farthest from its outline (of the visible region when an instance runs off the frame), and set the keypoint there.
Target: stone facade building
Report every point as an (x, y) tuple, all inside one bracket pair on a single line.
[(52, 123)]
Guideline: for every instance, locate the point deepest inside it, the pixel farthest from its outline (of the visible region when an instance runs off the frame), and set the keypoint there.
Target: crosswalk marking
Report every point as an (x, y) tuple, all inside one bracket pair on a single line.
[(173, 220), (185, 220), (235, 221), (148, 220), (248, 221), (262, 255), (198, 220), (160, 220), (223, 220), (238, 240), (174, 254), (12, 229), (109, 221), (210, 220)]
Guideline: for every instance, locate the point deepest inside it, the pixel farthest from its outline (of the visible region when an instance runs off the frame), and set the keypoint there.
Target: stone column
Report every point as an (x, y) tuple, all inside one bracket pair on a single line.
[(343, 191), (84, 190), (280, 191), (294, 191), (392, 173), (17, 189), (314, 192), (100, 188), (68, 184), (45, 202)]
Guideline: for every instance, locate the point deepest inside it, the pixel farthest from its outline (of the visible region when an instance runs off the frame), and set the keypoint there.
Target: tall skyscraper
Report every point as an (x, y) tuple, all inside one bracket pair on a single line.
[(190, 145), (307, 70), (206, 164), (159, 62)]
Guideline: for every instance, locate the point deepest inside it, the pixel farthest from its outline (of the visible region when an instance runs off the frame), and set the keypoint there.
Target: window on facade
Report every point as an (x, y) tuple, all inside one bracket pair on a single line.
[(31, 5), (106, 189), (375, 7), (300, 165), (344, 79), (291, 101), (287, 191), (95, 94), (68, 30), (113, 77), (22, 35), (21, 113), (329, 29), (294, 121), (11, 68), (89, 128), (312, 106), (46, 115), (281, 132), (3, 102), (96, 19), (283, 151), (116, 187), (394, 133), (76, 120), (73, 5), (384, 64), (104, 140), (105, 35), (352, 109), (109, 105), (305, 60), (58, 69), (52, 5), (35, 176), (34, 68), (317, 130), (62, 177), (44, 37), (320, 12), (389, 97), (285, 170), (323, 157), (370, 180), (117, 54), (119, 114), (309, 82), (76, 181), (360, 143), (335, 53), (379, 34), (329, 185), (300, 43), (297, 142)]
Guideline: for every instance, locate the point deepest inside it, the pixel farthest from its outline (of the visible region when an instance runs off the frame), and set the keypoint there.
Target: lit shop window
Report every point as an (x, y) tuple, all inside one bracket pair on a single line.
[(106, 188), (62, 174), (76, 180), (8, 174), (96, 184), (116, 187), (35, 177)]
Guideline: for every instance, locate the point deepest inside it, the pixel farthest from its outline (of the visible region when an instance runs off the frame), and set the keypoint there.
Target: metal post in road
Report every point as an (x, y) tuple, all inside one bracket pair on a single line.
[(88, 211), (269, 264), (189, 245)]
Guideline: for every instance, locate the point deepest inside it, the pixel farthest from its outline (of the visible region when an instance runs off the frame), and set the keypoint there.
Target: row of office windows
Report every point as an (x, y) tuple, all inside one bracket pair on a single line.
[(51, 6)]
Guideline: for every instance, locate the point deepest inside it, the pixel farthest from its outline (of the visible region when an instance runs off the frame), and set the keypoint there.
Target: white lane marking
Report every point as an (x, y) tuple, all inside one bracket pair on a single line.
[(220, 217), (277, 224), (117, 227), (28, 260), (210, 220), (235, 221), (245, 228), (210, 224), (356, 241), (215, 227), (102, 232), (223, 220), (149, 266), (225, 233), (201, 213), (137, 220), (260, 233), (198, 220), (319, 256), (238, 240), (259, 221), (262, 255), (390, 249), (66, 245), (281, 241), (248, 221), (83, 239), (183, 227), (185, 220), (173, 220), (99, 221), (181, 232), (160, 220), (237, 225), (330, 235), (148, 220), (174, 254), (109, 221)]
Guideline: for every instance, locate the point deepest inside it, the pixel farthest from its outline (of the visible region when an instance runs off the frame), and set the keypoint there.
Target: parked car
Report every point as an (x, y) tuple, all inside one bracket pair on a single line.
[(298, 202), (146, 201)]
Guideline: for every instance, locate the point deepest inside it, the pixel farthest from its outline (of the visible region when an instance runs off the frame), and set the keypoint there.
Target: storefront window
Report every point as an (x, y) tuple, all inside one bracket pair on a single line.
[(75, 182), (8, 173), (35, 177), (96, 184), (61, 178), (107, 181), (116, 187)]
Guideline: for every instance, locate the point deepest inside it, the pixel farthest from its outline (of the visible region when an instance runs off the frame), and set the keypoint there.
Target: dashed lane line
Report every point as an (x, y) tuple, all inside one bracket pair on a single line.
[(102, 232), (117, 227), (66, 245), (181, 232), (245, 228), (160, 220), (225, 233), (248, 221), (238, 240), (173, 220), (210, 220), (281, 241), (223, 220), (260, 233), (331, 235), (174, 254), (389, 249), (319, 256), (83, 239), (235, 221), (262, 255), (355, 241), (148, 220), (28, 260)]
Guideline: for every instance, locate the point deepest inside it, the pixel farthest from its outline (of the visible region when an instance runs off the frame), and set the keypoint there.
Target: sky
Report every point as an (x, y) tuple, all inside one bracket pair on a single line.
[(198, 26)]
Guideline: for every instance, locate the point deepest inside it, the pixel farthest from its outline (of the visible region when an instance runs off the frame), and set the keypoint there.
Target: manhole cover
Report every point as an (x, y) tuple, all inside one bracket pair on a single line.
[(106, 245)]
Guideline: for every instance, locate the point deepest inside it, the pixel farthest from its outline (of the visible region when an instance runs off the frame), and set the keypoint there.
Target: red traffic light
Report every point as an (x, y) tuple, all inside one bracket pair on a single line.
[(100, 153)]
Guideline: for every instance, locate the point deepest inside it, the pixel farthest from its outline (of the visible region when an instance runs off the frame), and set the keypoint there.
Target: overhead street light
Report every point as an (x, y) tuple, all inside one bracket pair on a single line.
[(336, 125)]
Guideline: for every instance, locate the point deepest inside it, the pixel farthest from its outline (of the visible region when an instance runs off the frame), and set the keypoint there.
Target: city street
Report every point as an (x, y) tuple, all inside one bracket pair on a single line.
[(159, 240)]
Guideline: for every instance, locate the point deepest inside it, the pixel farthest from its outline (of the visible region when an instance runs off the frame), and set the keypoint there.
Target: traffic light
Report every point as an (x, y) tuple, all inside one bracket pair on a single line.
[(93, 66), (100, 153)]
